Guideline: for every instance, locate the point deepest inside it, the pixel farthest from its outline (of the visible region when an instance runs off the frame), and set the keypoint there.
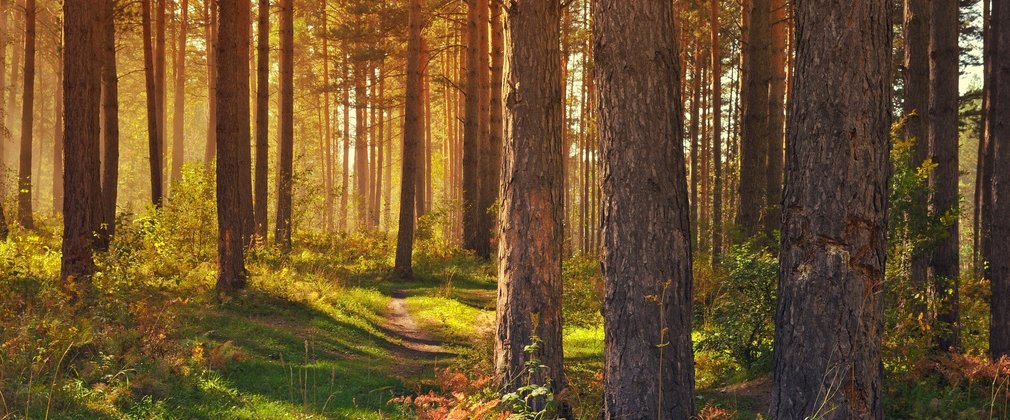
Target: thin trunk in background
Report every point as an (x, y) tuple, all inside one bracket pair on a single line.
[(27, 121), (262, 118), (153, 132), (412, 133), (282, 228), (110, 118), (179, 113)]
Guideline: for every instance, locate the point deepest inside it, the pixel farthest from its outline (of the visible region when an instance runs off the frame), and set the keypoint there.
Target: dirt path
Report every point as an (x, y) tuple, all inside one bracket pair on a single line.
[(415, 351)]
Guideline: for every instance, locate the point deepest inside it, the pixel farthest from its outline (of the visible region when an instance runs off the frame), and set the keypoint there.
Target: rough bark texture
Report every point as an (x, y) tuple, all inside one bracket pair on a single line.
[(471, 133), (232, 89), (916, 110), (532, 228), (413, 131), (282, 227), (754, 127), (491, 145), (179, 96), (830, 305), (27, 121), (153, 132), (943, 142), (81, 212), (487, 163), (262, 116), (776, 115), (110, 118), (649, 366), (998, 133)]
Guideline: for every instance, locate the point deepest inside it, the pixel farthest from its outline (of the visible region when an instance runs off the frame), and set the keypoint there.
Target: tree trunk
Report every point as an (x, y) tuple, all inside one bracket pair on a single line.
[(160, 54), (998, 136), (210, 9), (18, 54), (58, 142), (694, 127), (532, 190), (776, 116), (754, 150), (282, 229), (944, 262), (4, 109), (983, 173), (345, 185), (490, 156), (420, 207), (262, 117), (649, 366), (27, 122), (232, 127), (916, 110), (716, 135), (412, 134), (361, 145), (179, 114), (830, 306), (380, 168), (472, 135), (110, 118), (81, 86), (327, 127), (153, 132)]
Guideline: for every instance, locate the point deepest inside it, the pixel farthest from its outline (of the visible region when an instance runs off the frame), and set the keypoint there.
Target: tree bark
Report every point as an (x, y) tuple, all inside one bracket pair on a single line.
[(153, 132), (262, 117), (998, 135), (916, 110), (420, 194), (532, 231), (830, 306), (179, 113), (695, 150), (776, 116), (471, 129), (210, 9), (490, 157), (233, 132), (27, 121), (361, 145), (754, 150), (649, 366), (81, 86), (327, 127), (58, 143), (282, 228), (380, 166), (345, 185), (160, 55), (413, 131), (944, 262), (110, 118), (716, 135)]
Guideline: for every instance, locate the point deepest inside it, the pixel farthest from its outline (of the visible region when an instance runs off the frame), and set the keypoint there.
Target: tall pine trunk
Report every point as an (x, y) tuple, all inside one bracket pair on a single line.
[(27, 121), (754, 148), (648, 362), (532, 229), (944, 264), (262, 117), (110, 117), (81, 93), (916, 110), (282, 228), (345, 156), (716, 134), (829, 319), (998, 136), (179, 112), (210, 9), (471, 128), (153, 131), (413, 132), (58, 143), (776, 116), (327, 123), (233, 132)]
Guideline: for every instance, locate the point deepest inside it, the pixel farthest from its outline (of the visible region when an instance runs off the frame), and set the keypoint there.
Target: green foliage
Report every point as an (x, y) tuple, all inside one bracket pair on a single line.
[(740, 322), (532, 401), (583, 296)]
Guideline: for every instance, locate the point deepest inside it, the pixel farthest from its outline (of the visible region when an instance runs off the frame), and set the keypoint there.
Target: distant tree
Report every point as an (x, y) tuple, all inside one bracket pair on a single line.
[(282, 228), (648, 361), (231, 50), (160, 55), (179, 113), (829, 316), (471, 128), (210, 11), (327, 152), (531, 234), (778, 22), (413, 131), (82, 29), (262, 116), (998, 135), (110, 117), (916, 110), (716, 132), (756, 72), (944, 265), (27, 121), (58, 141), (153, 131)]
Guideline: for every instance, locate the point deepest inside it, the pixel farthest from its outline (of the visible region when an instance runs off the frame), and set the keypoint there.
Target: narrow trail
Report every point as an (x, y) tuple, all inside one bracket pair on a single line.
[(414, 350)]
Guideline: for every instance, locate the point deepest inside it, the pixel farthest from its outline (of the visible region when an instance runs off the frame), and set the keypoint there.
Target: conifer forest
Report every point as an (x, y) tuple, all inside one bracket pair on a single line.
[(505, 209)]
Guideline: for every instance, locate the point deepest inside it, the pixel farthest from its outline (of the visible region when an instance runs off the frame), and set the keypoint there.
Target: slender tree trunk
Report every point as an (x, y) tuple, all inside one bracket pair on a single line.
[(81, 86), (263, 116), (490, 156), (754, 151), (345, 185), (428, 193), (18, 55), (944, 262), (716, 135), (532, 230), (649, 366), (110, 118), (160, 55), (282, 232), (327, 127), (471, 132), (695, 120), (776, 116), (381, 149), (27, 122), (179, 114), (153, 132), (998, 133), (983, 173), (4, 109), (388, 181), (210, 32), (412, 134), (830, 305), (361, 145), (233, 134), (916, 109), (58, 142), (420, 208)]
